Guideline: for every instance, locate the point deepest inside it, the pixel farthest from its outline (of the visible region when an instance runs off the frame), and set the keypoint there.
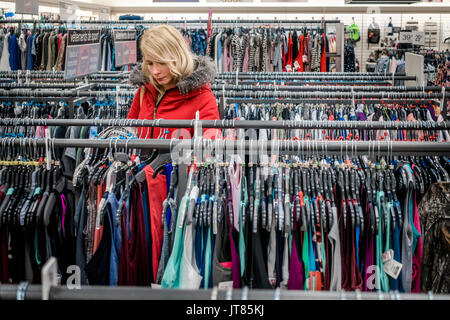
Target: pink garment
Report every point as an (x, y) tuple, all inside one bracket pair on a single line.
[(418, 133), (418, 254), (383, 133), (245, 61), (227, 57), (393, 65)]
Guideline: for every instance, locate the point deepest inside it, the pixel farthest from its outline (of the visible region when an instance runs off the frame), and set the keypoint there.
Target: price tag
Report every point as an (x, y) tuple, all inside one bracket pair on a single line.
[(418, 38), (393, 268), (406, 37)]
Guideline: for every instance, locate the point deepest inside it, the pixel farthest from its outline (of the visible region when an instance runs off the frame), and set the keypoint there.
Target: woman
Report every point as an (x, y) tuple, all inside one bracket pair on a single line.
[(174, 84)]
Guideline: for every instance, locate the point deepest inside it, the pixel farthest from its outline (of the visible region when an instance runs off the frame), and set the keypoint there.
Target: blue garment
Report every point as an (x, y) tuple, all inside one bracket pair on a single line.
[(14, 53), (30, 57), (312, 260), (116, 240), (169, 168), (130, 17), (358, 231), (198, 249), (219, 53)]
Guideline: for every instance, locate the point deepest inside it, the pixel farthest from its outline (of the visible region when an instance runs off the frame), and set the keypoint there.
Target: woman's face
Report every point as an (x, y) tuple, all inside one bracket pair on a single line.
[(160, 72)]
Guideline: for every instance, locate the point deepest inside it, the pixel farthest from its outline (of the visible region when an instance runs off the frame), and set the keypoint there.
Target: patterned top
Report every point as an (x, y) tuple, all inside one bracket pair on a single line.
[(434, 212)]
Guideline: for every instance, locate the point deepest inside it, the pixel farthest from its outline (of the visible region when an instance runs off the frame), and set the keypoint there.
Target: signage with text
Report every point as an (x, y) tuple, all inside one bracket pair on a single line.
[(125, 47), (104, 14), (83, 53), (406, 37), (418, 38), (67, 11), (27, 7)]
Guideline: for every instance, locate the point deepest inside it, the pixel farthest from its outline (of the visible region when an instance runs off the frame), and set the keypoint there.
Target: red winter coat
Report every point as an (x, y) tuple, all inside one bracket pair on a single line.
[(190, 95)]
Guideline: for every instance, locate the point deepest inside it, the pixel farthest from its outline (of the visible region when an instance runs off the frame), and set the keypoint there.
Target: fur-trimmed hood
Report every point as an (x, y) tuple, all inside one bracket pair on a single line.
[(204, 72)]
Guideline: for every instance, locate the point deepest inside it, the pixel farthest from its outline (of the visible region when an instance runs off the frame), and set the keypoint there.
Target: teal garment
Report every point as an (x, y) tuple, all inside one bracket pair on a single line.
[(322, 246), (416, 233), (171, 277), (382, 280), (242, 207), (312, 259), (412, 205), (208, 260)]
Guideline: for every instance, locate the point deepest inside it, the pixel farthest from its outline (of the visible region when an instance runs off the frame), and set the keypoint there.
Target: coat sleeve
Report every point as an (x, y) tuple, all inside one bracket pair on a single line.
[(135, 107), (210, 111)]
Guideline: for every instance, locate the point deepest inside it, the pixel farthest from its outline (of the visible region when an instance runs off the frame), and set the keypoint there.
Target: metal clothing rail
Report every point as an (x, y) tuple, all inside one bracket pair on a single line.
[(231, 124), (233, 75), (239, 94), (301, 75), (34, 292), (327, 101), (243, 87), (253, 146), (140, 22)]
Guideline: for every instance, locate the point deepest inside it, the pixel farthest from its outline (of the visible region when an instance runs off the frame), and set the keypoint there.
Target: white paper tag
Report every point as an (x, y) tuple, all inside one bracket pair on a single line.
[(388, 255), (156, 286), (225, 284), (296, 65), (393, 268)]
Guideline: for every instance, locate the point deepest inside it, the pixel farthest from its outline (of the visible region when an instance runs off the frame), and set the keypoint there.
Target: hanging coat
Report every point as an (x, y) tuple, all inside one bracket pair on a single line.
[(190, 95)]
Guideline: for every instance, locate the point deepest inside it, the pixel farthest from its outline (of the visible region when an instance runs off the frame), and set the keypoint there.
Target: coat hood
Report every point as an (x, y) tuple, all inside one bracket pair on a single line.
[(204, 72)]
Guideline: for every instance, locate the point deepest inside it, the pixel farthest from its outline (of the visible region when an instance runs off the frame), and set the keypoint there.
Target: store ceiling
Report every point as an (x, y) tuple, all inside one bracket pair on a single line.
[(313, 6)]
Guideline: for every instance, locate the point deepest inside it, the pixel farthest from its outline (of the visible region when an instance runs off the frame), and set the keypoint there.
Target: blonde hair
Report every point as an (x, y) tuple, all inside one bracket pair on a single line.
[(165, 44)]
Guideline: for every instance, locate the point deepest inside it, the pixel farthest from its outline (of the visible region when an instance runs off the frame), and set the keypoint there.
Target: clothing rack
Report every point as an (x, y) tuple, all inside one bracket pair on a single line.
[(228, 75), (234, 124), (34, 292), (328, 101), (305, 76), (240, 94), (244, 87), (142, 22), (285, 146)]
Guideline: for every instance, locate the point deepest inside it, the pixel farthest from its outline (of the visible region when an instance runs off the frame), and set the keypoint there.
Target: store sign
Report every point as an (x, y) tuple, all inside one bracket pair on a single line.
[(104, 14), (27, 7), (418, 38), (82, 53), (125, 47), (67, 11), (406, 37)]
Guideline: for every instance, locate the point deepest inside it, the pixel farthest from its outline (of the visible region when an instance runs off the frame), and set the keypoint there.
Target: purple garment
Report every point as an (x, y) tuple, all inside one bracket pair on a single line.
[(235, 261), (296, 271), (361, 116), (433, 114)]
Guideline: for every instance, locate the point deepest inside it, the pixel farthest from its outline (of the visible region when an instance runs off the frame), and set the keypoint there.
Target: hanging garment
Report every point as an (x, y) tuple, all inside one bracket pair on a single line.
[(14, 53), (4, 60), (433, 210)]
